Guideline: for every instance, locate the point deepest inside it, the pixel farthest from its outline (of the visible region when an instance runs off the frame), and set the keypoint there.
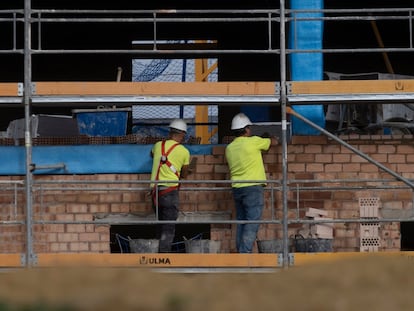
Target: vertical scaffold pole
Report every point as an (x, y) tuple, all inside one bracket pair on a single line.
[(284, 132), (27, 137)]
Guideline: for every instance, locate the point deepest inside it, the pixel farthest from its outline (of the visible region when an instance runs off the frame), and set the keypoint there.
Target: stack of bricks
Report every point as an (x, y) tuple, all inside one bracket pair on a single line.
[(369, 232), (321, 230)]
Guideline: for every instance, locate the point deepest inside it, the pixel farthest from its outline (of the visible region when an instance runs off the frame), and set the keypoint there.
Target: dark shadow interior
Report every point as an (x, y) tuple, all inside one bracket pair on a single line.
[(407, 236), (232, 67)]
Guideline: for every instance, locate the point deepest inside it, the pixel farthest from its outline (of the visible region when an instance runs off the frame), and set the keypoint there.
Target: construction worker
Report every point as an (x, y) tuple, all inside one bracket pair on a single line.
[(244, 158), (170, 163)]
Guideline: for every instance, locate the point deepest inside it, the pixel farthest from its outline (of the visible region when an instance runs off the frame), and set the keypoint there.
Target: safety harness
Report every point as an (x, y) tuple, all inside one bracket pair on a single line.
[(164, 161)]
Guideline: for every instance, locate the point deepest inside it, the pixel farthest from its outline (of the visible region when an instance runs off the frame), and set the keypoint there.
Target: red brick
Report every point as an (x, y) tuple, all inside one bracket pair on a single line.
[(405, 149), (78, 247), (217, 150), (301, 140), (406, 168), (315, 167), (329, 168), (213, 159), (386, 149), (305, 158), (313, 149), (296, 167), (369, 168), (205, 168), (75, 228), (89, 237)]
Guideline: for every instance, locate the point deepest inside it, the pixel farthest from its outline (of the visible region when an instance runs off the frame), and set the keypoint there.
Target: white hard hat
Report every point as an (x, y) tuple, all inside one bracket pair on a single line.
[(240, 121), (179, 124)]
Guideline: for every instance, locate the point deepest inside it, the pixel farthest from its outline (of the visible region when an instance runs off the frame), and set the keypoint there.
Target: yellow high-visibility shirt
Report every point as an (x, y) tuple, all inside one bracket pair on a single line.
[(244, 158), (178, 157)]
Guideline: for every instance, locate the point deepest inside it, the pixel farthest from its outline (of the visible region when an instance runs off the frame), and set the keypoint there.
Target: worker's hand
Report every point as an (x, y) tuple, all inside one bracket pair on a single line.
[(274, 141)]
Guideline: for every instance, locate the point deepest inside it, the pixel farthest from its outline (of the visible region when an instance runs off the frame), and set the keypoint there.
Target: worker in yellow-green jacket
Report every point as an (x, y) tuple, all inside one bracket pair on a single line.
[(244, 158), (170, 163)]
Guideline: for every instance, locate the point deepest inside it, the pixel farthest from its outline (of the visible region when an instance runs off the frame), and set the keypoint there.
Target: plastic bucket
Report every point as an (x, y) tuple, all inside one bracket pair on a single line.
[(273, 246), (143, 246), (311, 245), (270, 246), (202, 246)]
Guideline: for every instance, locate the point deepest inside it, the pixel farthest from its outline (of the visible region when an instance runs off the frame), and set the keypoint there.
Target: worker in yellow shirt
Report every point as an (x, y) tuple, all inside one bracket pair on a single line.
[(244, 158), (170, 163)]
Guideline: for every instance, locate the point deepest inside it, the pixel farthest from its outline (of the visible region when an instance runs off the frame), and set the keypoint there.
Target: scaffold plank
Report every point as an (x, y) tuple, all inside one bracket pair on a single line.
[(327, 87), (190, 261), (331, 87), (10, 260), (301, 259), (9, 89), (155, 88), (161, 260)]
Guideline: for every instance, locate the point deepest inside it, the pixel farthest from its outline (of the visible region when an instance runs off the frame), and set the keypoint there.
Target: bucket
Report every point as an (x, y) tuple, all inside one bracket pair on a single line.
[(270, 246), (202, 246), (273, 246), (143, 246), (312, 245)]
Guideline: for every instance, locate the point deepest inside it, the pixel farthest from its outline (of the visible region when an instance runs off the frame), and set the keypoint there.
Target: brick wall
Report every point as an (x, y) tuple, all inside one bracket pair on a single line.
[(68, 208)]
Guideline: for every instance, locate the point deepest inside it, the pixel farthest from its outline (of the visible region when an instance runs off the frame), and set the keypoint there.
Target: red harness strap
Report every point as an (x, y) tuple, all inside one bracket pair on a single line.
[(164, 160)]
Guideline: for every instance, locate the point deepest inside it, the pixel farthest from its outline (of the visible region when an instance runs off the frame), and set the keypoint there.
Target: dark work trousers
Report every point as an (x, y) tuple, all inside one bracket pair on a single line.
[(168, 205)]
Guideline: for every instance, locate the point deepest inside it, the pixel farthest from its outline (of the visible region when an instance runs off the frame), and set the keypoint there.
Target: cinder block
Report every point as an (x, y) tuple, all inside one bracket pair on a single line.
[(368, 212), (369, 201), (372, 241), (368, 207), (369, 230)]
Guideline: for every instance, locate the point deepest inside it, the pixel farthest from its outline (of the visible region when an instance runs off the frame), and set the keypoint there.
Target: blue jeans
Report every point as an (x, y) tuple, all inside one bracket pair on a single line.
[(249, 203)]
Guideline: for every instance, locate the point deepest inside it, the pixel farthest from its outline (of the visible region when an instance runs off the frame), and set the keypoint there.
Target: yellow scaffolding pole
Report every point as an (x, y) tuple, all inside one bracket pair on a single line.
[(202, 71)]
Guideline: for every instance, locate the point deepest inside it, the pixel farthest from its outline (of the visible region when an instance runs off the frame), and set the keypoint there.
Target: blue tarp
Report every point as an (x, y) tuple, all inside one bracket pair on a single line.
[(307, 35), (85, 159)]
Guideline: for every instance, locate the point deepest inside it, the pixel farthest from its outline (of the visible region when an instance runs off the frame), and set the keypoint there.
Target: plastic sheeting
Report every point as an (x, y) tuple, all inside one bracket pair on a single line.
[(85, 159), (307, 35)]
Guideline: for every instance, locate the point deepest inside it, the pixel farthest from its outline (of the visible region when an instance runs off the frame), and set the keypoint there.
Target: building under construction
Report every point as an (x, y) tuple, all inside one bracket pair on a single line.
[(332, 79)]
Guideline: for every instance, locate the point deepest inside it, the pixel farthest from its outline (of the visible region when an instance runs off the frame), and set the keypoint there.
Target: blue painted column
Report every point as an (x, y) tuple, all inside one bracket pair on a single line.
[(306, 35)]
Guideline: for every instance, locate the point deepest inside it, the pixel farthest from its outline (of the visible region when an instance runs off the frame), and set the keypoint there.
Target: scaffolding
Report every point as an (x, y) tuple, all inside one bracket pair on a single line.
[(283, 93)]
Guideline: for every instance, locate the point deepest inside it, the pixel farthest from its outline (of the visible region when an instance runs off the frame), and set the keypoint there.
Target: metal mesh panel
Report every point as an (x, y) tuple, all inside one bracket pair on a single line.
[(167, 70)]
